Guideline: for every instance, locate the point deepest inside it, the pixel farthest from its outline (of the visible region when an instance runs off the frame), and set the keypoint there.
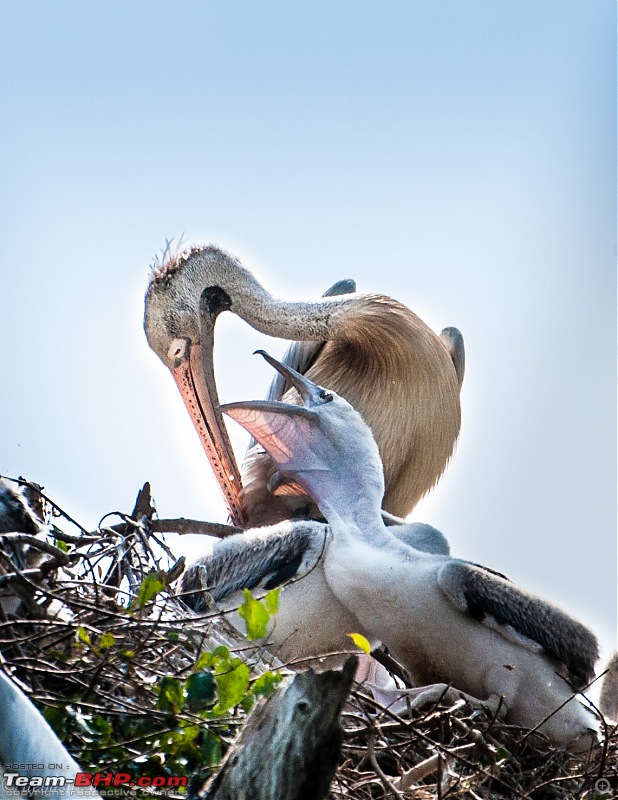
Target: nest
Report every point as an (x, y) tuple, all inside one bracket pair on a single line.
[(116, 662)]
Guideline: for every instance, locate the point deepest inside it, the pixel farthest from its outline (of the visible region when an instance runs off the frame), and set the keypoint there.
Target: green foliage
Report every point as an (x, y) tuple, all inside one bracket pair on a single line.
[(501, 755), (150, 587), (266, 684), (200, 688), (231, 676), (166, 716), (82, 635), (271, 600), (183, 722), (211, 749), (171, 695), (257, 613), (106, 640)]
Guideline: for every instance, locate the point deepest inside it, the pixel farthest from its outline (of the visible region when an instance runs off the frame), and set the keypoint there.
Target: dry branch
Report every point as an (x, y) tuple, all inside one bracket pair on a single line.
[(290, 746)]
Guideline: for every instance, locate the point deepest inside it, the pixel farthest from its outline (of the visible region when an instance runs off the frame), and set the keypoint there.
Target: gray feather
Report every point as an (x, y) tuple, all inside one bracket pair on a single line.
[(454, 342), (262, 558), (15, 513), (422, 536), (16, 516), (479, 592)]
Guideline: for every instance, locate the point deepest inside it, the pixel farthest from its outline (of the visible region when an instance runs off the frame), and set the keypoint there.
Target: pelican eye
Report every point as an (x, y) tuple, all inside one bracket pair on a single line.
[(326, 396)]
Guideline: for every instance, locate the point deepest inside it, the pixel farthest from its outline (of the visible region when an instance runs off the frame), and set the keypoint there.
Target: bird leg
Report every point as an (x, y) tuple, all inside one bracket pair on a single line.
[(400, 700)]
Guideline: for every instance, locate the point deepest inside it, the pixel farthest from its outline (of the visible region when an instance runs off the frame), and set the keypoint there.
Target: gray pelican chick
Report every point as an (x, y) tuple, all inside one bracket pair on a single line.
[(402, 377), (446, 620), (311, 623)]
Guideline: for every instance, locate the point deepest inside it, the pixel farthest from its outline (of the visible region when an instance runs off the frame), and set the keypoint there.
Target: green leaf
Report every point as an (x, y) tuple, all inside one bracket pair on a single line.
[(501, 754), (191, 732), (100, 726), (83, 635), (57, 654), (126, 654), (171, 695), (360, 641), (266, 684), (213, 658), (149, 588), (211, 749), (61, 545), (247, 703), (232, 686), (255, 615), (200, 689), (106, 640), (271, 600)]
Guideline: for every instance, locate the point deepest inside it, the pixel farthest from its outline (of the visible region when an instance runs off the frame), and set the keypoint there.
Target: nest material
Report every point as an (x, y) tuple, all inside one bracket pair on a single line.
[(100, 637)]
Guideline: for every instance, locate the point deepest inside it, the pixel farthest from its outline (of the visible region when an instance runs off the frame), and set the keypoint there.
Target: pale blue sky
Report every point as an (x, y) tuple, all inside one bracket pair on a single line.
[(459, 156)]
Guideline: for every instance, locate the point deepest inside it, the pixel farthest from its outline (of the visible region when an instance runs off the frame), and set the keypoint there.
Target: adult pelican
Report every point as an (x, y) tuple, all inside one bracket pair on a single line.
[(403, 378), (446, 620)]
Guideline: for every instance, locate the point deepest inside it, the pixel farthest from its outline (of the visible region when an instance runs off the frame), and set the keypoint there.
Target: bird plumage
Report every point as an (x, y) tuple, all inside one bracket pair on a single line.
[(29, 747), (608, 700), (16, 516), (311, 622), (402, 377), (444, 619)]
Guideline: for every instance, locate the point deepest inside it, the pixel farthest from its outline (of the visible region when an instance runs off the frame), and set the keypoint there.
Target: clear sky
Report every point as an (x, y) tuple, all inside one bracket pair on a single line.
[(459, 156)]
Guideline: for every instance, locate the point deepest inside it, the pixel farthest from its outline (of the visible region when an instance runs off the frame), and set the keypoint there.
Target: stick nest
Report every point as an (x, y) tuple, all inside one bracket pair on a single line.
[(107, 651)]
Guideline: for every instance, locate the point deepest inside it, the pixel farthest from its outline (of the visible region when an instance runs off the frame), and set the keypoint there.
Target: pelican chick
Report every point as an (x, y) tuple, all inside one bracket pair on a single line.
[(311, 625), (403, 378), (446, 620)]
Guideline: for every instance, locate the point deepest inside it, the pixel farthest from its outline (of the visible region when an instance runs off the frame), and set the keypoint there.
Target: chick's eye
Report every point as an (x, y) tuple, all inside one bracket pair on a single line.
[(326, 396)]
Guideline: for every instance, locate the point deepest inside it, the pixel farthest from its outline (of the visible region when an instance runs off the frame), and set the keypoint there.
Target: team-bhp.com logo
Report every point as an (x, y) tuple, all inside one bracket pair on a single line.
[(14, 782)]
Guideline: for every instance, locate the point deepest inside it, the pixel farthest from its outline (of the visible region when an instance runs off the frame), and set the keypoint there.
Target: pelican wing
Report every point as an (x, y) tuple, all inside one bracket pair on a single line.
[(486, 595), (263, 558)]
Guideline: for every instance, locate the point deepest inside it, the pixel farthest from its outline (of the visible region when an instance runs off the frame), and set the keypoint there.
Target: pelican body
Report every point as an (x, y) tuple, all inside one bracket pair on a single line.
[(402, 378), (311, 626), (446, 620)]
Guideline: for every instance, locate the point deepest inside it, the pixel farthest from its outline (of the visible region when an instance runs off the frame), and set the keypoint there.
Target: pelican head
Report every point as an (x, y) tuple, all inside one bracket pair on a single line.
[(323, 445), (183, 300), (402, 378)]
